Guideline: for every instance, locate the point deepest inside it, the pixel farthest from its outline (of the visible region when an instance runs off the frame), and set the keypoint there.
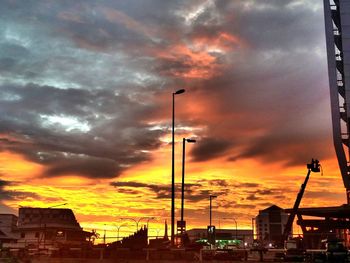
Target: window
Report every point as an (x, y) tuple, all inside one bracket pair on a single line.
[(60, 233), (23, 235), (37, 234)]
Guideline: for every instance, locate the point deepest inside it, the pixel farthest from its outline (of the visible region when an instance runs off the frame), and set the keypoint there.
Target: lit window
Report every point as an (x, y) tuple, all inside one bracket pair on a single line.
[(60, 233)]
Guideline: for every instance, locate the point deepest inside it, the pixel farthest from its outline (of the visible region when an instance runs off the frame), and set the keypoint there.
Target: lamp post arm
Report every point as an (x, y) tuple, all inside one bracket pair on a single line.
[(137, 225)]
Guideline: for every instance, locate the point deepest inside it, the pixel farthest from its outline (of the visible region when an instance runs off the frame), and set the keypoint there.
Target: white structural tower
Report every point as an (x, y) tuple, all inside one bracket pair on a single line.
[(337, 26)]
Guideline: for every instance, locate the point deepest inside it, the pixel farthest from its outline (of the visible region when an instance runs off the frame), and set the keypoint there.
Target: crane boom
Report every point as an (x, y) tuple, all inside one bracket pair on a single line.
[(314, 166)]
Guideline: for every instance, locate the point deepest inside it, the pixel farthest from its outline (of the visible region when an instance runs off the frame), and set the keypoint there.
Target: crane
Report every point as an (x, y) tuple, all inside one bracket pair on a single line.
[(314, 166)]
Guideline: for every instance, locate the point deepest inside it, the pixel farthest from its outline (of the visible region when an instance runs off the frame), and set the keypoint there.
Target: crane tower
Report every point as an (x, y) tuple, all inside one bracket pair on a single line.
[(337, 26)]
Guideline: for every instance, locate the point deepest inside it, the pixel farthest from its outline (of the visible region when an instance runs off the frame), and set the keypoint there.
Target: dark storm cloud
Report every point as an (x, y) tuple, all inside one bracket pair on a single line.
[(193, 192), (282, 24), (218, 182), (329, 195), (267, 193), (102, 63), (271, 84), (244, 206), (94, 167), (161, 191), (102, 150), (227, 184), (209, 148), (294, 149), (4, 183), (14, 195), (247, 185), (252, 197)]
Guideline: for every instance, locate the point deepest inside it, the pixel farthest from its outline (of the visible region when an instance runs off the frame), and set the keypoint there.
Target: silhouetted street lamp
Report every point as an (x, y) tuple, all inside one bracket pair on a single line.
[(173, 168), (148, 219), (104, 234), (57, 205), (235, 223), (137, 221), (184, 140), (210, 198), (118, 228)]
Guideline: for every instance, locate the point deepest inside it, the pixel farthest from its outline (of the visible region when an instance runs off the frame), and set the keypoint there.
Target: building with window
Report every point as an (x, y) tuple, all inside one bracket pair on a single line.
[(49, 227), (270, 224), (8, 228)]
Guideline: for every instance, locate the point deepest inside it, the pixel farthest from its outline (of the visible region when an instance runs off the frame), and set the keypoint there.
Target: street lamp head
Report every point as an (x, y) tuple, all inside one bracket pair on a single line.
[(57, 205), (191, 140), (180, 91)]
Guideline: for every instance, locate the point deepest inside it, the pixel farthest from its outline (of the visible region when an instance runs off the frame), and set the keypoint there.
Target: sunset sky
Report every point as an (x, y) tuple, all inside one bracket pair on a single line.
[(85, 108)]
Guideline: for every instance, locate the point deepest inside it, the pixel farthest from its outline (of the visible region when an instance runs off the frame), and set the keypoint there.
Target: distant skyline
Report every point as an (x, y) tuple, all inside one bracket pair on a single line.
[(85, 107)]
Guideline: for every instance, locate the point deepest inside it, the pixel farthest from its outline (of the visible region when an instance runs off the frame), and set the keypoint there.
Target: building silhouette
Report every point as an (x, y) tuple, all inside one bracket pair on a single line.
[(270, 223)]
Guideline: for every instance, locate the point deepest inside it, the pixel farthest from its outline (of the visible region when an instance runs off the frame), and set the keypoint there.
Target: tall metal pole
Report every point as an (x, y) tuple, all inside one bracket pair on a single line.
[(210, 198), (104, 234), (209, 210), (173, 174), (173, 167), (136, 223), (118, 228), (236, 227), (183, 179)]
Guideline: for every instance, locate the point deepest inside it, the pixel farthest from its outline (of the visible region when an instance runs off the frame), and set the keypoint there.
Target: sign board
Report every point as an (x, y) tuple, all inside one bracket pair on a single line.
[(181, 224), (211, 234)]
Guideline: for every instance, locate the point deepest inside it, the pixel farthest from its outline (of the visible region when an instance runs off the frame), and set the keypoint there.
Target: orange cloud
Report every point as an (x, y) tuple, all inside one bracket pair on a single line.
[(222, 42), (187, 63), (14, 167)]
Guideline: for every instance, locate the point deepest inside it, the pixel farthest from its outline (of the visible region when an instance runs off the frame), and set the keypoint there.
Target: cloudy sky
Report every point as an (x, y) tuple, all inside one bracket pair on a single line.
[(85, 107)]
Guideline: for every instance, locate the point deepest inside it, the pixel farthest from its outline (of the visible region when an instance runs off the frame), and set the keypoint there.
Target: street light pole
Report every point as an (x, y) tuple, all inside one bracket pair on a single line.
[(138, 221), (127, 218), (184, 140), (104, 234), (173, 168), (210, 198), (145, 217), (148, 219), (235, 224), (118, 228), (57, 205)]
